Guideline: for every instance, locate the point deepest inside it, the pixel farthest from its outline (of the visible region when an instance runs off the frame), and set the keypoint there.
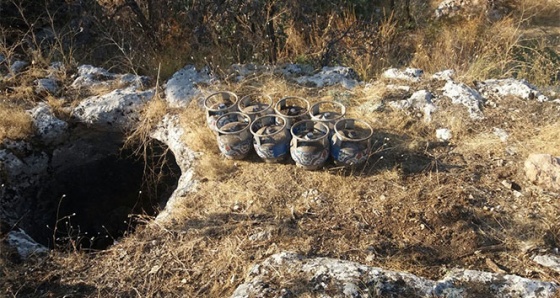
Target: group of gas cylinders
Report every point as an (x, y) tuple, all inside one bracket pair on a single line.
[(310, 134)]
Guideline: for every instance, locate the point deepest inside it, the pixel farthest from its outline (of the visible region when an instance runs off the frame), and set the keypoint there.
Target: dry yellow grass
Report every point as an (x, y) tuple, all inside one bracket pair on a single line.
[(418, 205), (15, 123), (413, 207)]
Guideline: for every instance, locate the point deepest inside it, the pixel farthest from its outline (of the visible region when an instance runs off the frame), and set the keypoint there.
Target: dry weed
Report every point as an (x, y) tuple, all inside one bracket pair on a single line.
[(15, 123)]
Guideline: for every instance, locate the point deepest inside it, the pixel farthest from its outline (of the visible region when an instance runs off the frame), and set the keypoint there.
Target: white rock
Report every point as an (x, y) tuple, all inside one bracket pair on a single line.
[(341, 278), (510, 87), (182, 87), (91, 78), (420, 101), (445, 75), (409, 74), (500, 133), (544, 170), (25, 245), (444, 134), (170, 132), (329, 76), (550, 261), (118, 109), (49, 128), (460, 93)]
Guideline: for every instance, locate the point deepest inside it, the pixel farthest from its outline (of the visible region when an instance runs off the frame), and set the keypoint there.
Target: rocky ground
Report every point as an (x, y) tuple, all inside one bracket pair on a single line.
[(460, 197)]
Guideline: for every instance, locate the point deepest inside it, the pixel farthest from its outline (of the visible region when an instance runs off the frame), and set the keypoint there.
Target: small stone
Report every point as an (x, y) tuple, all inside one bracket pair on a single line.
[(18, 66), (502, 134), (444, 134), (46, 85), (543, 170), (445, 75), (550, 261)]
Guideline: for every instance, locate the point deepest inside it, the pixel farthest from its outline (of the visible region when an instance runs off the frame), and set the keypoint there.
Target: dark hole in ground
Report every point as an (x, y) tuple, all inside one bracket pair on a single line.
[(92, 204)]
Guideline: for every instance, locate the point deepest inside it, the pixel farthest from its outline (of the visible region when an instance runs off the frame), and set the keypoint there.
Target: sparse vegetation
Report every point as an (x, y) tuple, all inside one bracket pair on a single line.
[(418, 205)]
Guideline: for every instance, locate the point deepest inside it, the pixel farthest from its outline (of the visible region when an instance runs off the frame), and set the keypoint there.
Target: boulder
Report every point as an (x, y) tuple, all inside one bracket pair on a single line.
[(182, 87), (25, 245), (459, 93), (288, 274), (117, 110), (543, 170), (419, 101), (92, 78), (49, 128), (510, 87)]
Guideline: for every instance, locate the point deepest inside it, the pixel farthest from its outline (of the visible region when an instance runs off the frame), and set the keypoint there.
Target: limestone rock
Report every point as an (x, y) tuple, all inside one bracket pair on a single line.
[(25, 245), (445, 75), (328, 277), (419, 101), (49, 128), (444, 134), (459, 93), (409, 74), (170, 132), (46, 85), (290, 70), (17, 66), (92, 78), (117, 109), (329, 76), (510, 87), (182, 87), (550, 261), (543, 170)]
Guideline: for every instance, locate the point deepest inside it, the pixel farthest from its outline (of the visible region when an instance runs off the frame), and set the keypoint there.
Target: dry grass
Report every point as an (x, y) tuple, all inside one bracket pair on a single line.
[(418, 205), (15, 123), (415, 207)]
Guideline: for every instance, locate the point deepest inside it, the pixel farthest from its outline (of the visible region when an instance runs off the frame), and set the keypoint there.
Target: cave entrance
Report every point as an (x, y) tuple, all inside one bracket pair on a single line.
[(97, 192)]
